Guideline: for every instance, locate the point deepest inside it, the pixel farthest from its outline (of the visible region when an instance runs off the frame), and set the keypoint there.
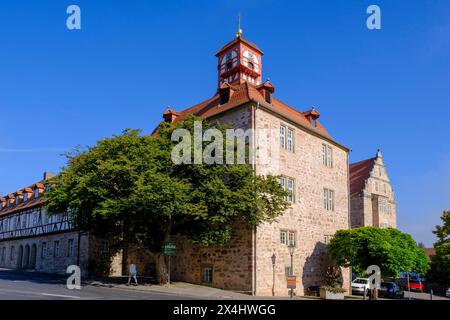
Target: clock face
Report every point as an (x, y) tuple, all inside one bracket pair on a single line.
[(251, 61), (229, 60)]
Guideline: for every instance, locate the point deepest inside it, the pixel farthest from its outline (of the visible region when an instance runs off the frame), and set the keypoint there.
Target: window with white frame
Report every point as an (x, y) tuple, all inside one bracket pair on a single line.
[(283, 239), (56, 248), (282, 136), (290, 190), (44, 250), (328, 199), (291, 239), (70, 248), (286, 138), (12, 253), (327, 155), (287, 271), (290, 140), (288, 184)]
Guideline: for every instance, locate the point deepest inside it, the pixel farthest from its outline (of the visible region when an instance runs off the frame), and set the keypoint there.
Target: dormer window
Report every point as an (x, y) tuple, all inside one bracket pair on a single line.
[(17, 200), (25, 197), (36, 193), (314, 122)]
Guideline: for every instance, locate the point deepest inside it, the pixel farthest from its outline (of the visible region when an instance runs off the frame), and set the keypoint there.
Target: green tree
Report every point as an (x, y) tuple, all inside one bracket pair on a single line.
[(390, 249), (440, 263), (443, 232), (128, 188)]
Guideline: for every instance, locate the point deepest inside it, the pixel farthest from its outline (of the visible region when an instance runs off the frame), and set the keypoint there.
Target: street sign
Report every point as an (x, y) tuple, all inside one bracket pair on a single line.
[(169, 248), (291, 282)]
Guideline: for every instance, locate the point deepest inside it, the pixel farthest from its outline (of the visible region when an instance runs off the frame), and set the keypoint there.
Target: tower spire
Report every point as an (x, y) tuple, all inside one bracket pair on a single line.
[(239, 31)]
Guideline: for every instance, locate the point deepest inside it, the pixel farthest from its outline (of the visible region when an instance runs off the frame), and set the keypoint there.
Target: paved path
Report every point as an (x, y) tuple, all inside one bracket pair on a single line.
[(39, 287)]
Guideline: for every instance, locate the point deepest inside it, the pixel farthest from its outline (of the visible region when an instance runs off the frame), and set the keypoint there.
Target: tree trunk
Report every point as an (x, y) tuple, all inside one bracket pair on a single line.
[(162, 275)]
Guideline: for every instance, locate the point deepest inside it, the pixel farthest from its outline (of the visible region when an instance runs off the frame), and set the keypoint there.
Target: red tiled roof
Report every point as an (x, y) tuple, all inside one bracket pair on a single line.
[(243, 93), (359, 173), (30, 203), (430, 251), (236, 40)]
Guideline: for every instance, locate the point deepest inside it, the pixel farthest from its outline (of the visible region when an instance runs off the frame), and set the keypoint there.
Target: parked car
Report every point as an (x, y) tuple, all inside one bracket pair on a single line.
[(360, 285), (416, 285), (391, 290), (447, 294)]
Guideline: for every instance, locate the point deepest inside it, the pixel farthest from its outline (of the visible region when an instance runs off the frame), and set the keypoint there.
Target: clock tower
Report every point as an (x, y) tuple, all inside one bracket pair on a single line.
[(239, 61)]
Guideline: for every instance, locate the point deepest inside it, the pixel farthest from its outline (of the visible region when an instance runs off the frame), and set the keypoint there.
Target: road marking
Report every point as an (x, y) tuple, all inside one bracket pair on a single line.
[(30, 293), (60, 295)]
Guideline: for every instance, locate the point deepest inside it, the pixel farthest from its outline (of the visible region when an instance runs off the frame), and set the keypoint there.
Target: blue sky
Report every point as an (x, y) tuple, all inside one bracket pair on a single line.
[(387, 89)]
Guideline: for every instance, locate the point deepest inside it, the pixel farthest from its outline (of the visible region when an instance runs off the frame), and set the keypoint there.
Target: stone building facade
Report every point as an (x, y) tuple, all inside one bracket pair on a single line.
[(312, 166), (371, 194), (30, 239)]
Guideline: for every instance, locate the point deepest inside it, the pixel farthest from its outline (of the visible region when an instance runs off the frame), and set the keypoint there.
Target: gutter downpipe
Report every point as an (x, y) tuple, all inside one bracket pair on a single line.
[(349, 215), (254, 170)]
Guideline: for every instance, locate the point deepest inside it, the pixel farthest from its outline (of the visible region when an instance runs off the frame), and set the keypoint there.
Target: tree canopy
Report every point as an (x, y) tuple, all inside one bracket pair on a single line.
[(127, 187), (443, 232), (390, 249), (440, 263)]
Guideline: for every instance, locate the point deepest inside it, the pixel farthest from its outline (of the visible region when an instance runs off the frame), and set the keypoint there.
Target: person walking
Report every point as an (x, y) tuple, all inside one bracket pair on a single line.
[(133, 274)]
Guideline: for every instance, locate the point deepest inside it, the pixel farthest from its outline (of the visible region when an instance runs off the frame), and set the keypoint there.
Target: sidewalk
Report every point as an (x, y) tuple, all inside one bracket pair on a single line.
[(188, 290), (182, 289)]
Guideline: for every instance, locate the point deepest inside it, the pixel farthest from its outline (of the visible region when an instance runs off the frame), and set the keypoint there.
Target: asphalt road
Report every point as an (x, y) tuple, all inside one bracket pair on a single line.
[(23, 287)]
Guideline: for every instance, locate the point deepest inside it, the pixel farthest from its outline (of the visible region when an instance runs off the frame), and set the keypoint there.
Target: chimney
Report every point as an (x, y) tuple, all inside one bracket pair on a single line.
[(312, 116), (169, 115), (48, 175), (267, 89)]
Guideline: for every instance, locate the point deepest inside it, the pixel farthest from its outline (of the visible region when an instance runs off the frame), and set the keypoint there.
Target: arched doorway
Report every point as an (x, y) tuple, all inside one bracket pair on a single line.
[(32, 264), (19, 257), (26, 257)]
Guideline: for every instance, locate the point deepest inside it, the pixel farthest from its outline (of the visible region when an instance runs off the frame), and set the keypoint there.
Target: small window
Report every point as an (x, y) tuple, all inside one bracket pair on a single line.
[(290, 140), (384, 188), (25, 197), (207, 275), (104, 247), (36, 193), (314, 122), (282, 136), (290, 190), (56, 249), (229, 65), (251, 65), (17, 200), (283, 237), (70, 248), (328, 199), (287, 271), (291, 239), (288, 184), (376, 186), (327, 156), (12, 253), (44, 250)]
